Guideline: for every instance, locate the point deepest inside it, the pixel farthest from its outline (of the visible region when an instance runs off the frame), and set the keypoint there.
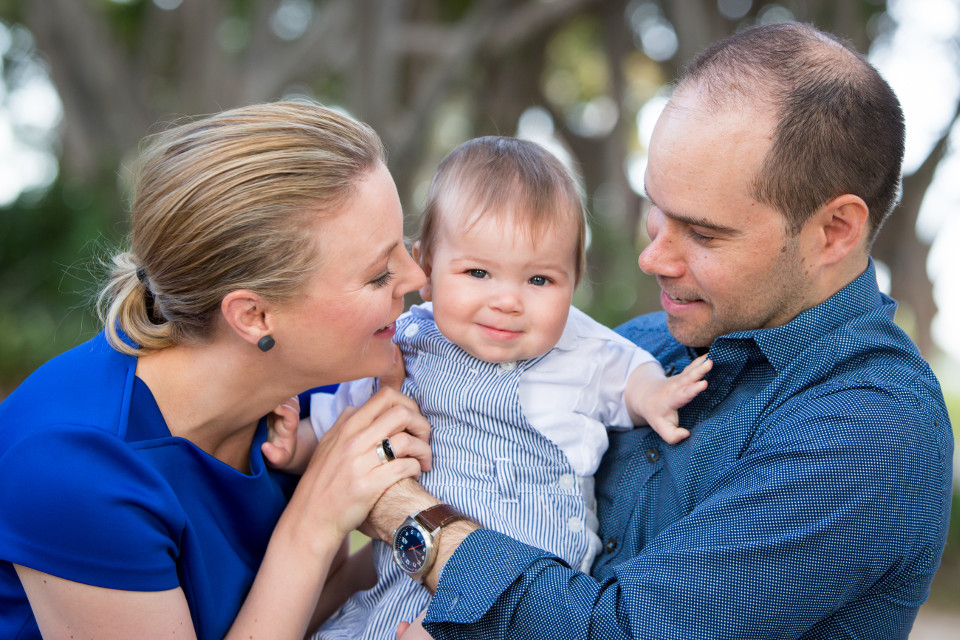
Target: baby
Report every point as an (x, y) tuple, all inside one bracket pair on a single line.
[(519, 387)]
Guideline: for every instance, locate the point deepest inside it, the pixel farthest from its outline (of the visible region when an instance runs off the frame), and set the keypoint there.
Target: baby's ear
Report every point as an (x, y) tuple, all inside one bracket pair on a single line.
[(426, 291)]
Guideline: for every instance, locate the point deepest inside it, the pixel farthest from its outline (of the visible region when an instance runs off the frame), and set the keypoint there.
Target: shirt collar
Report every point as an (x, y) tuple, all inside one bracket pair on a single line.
[(781, 345)]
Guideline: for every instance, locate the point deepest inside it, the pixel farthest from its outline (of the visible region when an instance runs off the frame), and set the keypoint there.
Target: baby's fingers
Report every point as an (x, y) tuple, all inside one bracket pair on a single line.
[(669, 431), (697, 369)]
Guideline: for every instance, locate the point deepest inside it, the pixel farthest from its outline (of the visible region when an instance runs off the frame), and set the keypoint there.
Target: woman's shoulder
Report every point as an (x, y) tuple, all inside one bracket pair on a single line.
[(79, 495), (89, 384)]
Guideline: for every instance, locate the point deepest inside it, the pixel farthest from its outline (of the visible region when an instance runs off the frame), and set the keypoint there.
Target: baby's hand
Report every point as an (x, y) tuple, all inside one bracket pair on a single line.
[(413, 631), (393, 377), (281, 446), (657, 398)]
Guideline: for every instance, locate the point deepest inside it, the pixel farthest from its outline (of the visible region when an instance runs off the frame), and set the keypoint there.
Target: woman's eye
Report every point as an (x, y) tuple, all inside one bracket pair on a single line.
[(477, 273), (538, 281), (383, 280)]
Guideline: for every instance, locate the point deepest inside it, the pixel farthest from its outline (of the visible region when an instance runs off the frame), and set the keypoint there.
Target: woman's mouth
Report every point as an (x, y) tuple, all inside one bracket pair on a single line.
[(386, 330)]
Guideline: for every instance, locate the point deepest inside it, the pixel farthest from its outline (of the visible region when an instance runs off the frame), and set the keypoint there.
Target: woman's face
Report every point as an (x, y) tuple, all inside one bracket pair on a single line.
[(341, 327)]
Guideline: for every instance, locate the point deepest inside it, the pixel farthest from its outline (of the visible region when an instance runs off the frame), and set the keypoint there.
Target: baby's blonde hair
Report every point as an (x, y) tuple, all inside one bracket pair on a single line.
[(228, 202), (496, 175)]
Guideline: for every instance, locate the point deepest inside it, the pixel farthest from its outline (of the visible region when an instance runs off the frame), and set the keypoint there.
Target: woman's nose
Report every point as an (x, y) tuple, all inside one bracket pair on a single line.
[(412, 277)]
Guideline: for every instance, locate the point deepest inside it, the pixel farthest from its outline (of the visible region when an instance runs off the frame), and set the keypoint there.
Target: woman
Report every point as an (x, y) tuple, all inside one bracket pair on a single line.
[(266, 258)]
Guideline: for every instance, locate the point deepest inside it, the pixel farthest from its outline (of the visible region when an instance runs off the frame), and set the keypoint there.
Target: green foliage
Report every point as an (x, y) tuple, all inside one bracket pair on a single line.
[(48, 281)]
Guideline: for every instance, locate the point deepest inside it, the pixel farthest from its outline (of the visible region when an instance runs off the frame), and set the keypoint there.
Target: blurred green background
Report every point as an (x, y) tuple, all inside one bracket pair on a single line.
[(84, 80)]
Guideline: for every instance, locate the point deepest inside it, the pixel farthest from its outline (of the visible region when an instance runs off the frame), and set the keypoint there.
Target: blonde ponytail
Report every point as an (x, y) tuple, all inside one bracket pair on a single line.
[(228, 202)]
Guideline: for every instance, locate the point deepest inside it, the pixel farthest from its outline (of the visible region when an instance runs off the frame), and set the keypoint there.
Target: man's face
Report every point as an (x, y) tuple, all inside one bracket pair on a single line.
[(724, 261)]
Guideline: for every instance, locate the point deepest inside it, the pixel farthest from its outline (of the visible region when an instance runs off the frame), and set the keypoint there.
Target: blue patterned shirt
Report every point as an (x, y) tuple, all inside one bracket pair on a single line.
[(811, 500)]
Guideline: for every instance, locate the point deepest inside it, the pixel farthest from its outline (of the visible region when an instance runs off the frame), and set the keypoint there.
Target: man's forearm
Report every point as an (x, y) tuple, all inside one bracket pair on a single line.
[(406, 498)]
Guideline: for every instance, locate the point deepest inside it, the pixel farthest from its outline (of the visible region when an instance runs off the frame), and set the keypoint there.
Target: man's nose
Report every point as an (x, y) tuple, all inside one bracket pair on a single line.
[(663, 256)]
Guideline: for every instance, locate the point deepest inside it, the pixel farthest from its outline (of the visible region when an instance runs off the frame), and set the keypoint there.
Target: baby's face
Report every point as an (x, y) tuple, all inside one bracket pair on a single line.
[(496, 293)]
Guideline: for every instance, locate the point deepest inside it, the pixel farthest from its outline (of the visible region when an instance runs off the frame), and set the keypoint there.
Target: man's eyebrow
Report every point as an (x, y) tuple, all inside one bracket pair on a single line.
[(694, 221)]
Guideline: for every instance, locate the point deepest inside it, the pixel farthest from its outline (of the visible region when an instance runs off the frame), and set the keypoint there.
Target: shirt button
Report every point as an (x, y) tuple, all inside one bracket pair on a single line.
[(575, 524), (610, 545), (411, 330), (508, 366), (567, 481), (652, 454)]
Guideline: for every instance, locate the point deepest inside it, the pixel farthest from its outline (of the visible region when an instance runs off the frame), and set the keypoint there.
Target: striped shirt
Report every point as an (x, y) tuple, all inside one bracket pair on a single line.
[(514, 445)]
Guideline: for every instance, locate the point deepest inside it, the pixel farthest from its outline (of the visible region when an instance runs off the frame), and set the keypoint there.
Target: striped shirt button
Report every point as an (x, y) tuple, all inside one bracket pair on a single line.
[(508, 366), (575, 524), (567, 481), (411, 330)]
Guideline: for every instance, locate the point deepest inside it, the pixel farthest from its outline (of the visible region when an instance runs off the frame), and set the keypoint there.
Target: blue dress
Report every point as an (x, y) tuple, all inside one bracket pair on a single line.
[(94, 489)]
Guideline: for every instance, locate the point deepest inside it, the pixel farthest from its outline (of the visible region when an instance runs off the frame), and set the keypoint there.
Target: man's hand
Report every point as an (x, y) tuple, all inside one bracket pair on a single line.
[(407, 497)]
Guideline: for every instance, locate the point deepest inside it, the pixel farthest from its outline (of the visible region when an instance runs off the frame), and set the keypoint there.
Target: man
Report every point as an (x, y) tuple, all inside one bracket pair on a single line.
[(812, 498)]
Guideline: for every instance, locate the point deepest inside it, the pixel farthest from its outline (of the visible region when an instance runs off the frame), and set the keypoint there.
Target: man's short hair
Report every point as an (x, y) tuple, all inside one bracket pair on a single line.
[(839, 126)]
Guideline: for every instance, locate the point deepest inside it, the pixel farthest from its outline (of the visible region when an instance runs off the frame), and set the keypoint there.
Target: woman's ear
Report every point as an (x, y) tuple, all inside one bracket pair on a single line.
[(246, 314), (426, 291)]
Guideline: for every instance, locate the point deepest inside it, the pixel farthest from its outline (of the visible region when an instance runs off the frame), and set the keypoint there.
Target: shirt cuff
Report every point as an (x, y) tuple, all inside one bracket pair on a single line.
[(484, 565)]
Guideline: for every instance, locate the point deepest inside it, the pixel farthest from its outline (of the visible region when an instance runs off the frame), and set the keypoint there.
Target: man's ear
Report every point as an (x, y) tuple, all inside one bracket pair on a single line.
[(426, 291), (841, 227), (246, 314)]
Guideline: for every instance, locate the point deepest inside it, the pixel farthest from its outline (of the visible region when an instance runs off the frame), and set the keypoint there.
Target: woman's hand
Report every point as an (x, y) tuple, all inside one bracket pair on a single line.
[(344, 479), (346, 476)]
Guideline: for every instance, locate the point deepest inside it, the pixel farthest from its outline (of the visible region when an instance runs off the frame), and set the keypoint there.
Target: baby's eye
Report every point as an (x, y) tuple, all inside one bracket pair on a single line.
[(477, 273), (539, 281)]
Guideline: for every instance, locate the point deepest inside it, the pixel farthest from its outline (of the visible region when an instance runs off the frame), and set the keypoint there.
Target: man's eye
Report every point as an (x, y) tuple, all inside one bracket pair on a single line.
[(477, 273), (699, 237), (539, 281)]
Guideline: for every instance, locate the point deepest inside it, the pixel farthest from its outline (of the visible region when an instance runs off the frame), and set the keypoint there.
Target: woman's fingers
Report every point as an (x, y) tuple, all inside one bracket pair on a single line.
[(346, 475), (386, 413), (404, 445)]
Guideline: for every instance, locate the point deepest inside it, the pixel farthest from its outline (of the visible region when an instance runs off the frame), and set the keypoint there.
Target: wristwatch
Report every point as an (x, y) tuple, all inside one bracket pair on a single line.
[(413, 548)]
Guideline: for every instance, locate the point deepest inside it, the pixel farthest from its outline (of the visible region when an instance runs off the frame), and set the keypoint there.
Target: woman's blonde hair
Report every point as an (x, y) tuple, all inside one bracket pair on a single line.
[(227, 202)]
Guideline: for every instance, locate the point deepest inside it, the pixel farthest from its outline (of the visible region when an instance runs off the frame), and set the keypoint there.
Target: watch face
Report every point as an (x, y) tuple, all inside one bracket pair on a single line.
[(410, 548)]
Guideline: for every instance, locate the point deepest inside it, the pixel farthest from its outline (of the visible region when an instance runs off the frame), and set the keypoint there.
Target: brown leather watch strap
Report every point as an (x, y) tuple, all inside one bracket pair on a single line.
[(438, 515)]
